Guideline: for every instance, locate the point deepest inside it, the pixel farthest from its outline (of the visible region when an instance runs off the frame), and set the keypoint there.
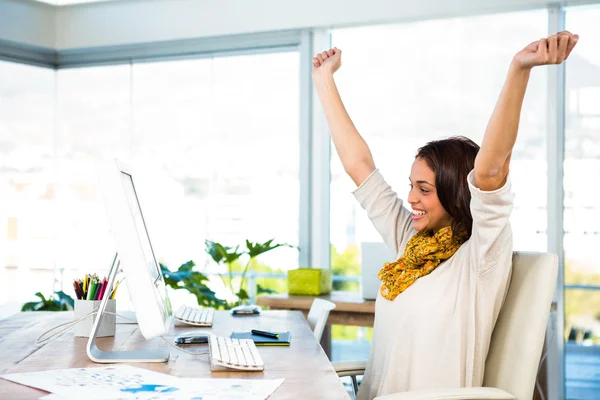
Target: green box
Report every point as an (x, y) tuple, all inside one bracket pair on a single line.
[(309, 281)]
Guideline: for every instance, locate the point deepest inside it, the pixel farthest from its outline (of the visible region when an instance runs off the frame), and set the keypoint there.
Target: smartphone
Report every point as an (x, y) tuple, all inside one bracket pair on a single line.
[(191, 339)]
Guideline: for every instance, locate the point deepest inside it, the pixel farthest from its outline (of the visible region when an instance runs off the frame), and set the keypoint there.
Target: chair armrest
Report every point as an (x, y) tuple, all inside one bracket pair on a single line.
[(349, 368), (472, 393)]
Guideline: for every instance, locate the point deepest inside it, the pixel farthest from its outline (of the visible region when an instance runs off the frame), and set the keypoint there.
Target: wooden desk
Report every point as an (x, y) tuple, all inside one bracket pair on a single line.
[(307, 372), (350, 309)]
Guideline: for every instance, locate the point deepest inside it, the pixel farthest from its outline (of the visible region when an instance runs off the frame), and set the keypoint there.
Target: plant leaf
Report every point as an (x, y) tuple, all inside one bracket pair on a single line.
[(243, 295), (187, 266), (205, 296), (217, 251), (233, 255), (256, 249), (65, 300), (29, 306), (263, 290), (169, 280)]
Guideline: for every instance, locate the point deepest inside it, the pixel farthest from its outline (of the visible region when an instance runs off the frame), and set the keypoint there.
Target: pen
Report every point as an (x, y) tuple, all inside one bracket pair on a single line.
[(265, 333), (92, 290), (114, 291)]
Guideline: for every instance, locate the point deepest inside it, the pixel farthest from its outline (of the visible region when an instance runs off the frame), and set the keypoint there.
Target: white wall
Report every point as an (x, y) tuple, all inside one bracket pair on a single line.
[(132, 21), (142, 21), (27, 22)]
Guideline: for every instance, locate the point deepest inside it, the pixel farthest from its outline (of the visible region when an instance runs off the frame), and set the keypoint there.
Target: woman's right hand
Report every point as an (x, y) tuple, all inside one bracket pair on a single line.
[(552, 50), (327, 62)]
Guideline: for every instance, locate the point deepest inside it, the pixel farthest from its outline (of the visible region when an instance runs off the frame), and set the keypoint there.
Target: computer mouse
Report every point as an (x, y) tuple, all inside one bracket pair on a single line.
[(192, 339), (246, 309)]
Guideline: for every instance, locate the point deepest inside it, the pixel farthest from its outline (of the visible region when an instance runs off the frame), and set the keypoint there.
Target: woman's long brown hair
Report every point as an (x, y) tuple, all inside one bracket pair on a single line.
[(451, 160)]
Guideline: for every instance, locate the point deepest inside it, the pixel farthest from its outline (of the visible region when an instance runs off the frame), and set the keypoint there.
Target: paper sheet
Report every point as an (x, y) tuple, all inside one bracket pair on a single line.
[(121, 382), (125, 382), (230, 389)]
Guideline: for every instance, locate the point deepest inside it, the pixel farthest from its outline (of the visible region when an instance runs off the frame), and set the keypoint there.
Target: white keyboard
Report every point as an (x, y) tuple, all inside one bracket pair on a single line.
[(239, 354), (197, 316)]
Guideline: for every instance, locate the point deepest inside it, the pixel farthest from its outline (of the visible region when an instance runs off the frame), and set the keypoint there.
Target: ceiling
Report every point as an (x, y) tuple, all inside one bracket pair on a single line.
[(67, 2)]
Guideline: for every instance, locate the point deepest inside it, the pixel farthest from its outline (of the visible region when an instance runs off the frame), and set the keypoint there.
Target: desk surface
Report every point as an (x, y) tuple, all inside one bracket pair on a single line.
[(351, 308), (302, 362)]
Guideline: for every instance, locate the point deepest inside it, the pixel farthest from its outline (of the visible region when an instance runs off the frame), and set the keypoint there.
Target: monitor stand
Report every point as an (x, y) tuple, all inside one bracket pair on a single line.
[(124, 356)]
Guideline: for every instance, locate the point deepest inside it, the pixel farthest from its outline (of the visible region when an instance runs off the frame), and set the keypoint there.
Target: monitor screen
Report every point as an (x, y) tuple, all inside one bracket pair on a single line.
[(140, 226), (142, 273)]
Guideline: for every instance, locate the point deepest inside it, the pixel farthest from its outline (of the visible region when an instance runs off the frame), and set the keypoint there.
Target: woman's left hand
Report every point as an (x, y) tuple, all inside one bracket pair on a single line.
[(552, 50)]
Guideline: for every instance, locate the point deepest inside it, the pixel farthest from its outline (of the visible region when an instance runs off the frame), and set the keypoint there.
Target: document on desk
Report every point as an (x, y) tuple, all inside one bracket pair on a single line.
[(229, 389), (120, 382), (125, 382), (214, 389)]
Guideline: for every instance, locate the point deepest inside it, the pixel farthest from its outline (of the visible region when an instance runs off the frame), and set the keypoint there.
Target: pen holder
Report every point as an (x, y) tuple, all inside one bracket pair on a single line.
[(107, 324)]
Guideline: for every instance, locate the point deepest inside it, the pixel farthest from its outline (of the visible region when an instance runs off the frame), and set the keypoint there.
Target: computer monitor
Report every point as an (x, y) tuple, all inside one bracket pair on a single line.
[(135, 255), (372, 257)]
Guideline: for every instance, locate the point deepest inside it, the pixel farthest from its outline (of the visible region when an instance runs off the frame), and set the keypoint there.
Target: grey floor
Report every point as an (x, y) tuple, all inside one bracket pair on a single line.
[(582, 367)]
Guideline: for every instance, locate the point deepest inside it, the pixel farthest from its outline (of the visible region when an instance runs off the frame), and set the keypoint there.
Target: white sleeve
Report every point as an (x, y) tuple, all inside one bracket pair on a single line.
[(385, 210), (491, 235)]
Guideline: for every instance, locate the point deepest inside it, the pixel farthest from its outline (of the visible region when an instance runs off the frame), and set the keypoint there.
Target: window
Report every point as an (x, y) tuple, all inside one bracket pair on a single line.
[(93, 123), (27, 224), (214, 144), (581, 205), (219, 141)]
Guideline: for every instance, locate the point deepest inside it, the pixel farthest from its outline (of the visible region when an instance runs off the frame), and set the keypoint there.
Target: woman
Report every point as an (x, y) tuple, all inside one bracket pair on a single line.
[(438, 303)]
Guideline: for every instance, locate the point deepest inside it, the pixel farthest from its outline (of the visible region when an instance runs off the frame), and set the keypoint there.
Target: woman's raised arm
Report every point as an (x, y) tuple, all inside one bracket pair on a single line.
[(353, 151), (493, 159)]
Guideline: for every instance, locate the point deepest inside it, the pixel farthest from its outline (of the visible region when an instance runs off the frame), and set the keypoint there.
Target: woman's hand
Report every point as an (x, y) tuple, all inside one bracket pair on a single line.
[(327, 62), (552, 50)]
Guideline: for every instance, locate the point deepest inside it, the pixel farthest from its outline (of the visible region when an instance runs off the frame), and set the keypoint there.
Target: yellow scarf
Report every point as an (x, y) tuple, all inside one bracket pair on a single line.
[(422, 254)]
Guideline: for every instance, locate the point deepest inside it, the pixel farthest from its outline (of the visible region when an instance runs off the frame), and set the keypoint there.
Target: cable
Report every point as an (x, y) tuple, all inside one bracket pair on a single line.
[(71, 324), (163, 338)]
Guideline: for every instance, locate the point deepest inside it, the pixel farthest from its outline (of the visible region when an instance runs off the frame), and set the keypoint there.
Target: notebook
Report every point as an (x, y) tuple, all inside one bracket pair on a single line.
[(284, 338)]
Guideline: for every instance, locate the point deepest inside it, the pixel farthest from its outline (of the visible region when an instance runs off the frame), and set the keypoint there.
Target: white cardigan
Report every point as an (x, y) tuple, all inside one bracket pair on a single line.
[(436, 334)]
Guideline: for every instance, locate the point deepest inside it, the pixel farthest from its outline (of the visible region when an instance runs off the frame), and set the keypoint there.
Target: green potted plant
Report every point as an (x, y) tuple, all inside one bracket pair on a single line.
[(186, 278), (195, 282), (58, 301), (228, 256)]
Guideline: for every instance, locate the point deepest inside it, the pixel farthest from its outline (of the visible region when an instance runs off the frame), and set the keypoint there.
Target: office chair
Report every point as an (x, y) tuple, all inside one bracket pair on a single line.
[(517, 339), (317, 316)]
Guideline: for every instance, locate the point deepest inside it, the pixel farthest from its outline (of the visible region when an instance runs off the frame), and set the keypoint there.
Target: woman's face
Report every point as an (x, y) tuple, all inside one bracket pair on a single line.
[(427, 211)]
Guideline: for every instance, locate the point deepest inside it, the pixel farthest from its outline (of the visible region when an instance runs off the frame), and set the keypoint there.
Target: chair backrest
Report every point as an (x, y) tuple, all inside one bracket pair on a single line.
[(317, 316), (516, 345)]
